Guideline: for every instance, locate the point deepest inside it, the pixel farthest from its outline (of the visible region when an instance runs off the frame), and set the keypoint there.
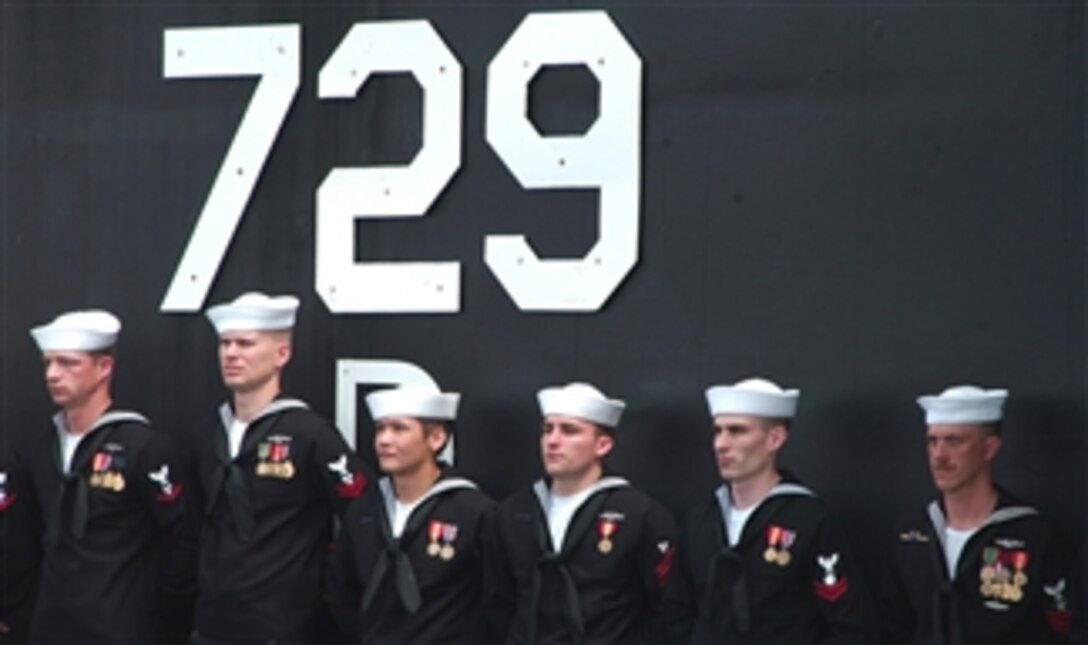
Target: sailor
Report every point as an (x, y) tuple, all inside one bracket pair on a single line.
[(408, 562), (762, 561), (581, 556), (979, 565), (119, 546), (273, 476)]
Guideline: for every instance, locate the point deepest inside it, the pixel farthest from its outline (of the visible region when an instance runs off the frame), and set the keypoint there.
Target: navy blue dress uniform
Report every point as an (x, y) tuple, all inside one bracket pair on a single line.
[(1004, 580), (270, 485), (587, 565), (1011, 583), (790, 578), (423, 586), (118, 554), (777, 571), (20, 543), (119, 551), (603, 586), (268, 523)]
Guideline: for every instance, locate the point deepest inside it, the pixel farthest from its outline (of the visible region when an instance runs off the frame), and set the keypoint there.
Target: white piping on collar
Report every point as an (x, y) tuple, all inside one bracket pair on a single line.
[(544, 494), (1000, 515), (226, 414), (780, 490), (389, 496)]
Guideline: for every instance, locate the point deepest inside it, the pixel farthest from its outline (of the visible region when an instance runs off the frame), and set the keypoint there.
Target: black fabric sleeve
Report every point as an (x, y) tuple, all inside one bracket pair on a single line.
[(837, 585), (499, 584), (343, 590), (165, 485), (897, 620), (657, 550), (679, 603)]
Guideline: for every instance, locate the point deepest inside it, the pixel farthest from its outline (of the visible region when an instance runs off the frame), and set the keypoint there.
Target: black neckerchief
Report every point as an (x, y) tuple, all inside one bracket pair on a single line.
[(71, 481), (230, 477), (729, 561), (405, 582), (947, 618), (580, 523)]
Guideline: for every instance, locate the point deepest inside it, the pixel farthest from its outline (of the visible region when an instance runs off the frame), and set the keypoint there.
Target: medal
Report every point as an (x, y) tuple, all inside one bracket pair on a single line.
[(779, 541), (787, 541), (115, 482), (1020, 562), (773, 535), (605, 530), (1019, 578), (449, 534), (434, 531), (989, 571), (101, 462), (274, 456)]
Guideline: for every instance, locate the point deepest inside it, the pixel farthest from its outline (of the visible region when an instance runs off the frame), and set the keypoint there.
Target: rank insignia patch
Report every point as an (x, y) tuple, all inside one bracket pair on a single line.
[(168, 491), (1003, 574), (664, 565), (779, 541), (274, 458), (830, 586), (1058, 614), (351, 484), (106, 471), (440, 540)]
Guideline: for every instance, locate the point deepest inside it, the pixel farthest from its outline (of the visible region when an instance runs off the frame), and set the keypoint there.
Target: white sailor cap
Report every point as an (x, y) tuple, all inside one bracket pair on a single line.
[(583, 401), (413, 400), (254, 311), (964, 404), (84, 331), (754, 397)]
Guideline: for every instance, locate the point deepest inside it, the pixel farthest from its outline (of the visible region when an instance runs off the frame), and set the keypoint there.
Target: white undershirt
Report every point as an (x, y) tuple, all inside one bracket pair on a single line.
[(561, 510), (953, 547), (68, 444), (401, 512), (735, 522), (235, 435)]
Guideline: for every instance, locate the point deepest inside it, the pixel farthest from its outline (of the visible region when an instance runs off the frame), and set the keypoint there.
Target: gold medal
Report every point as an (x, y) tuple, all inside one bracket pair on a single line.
[(1015, 594), (446, 552), (771, 554), (985, 590), (1020, 579), (783, 558), (118, 482), (987, 573), (605, 546), (433, 549)]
